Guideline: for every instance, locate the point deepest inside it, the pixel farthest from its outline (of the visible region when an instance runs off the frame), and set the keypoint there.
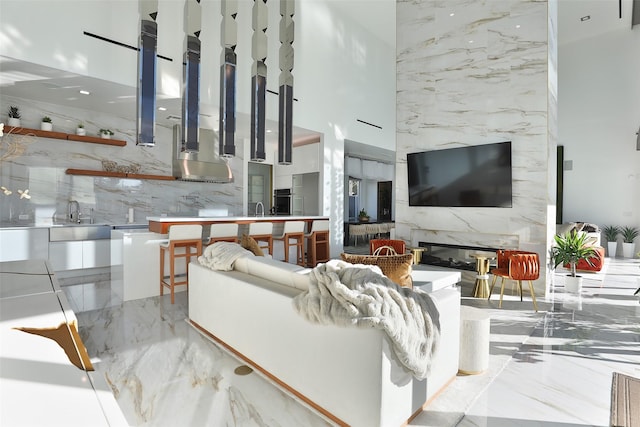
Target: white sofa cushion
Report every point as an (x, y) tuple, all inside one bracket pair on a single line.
[(291, 275)]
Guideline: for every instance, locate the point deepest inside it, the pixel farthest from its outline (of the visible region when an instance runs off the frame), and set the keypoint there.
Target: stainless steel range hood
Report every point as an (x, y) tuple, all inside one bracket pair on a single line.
[(204, 165)]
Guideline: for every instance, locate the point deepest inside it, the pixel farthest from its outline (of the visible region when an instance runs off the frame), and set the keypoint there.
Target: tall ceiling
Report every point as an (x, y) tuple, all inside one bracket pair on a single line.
[(31, 81)]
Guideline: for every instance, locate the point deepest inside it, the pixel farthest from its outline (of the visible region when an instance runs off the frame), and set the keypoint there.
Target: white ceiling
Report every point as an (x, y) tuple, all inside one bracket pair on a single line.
[(32, 81), (604, 17)]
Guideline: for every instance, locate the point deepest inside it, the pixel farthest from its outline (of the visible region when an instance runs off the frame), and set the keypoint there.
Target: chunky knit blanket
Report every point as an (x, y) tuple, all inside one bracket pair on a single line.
[(343, 294), (222, 255)]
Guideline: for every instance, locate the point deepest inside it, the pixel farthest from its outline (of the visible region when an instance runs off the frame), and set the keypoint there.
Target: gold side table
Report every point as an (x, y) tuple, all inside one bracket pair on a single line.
[(417, 254), (481, 289)]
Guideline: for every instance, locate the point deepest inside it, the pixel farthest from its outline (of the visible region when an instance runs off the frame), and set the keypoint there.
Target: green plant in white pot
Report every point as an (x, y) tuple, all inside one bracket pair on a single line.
[(629, 234), (570, 248), (611, 233), (14, 116), (46, 124)]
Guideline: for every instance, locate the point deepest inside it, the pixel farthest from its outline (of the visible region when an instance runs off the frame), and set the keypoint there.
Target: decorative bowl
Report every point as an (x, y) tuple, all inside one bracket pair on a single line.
[(109, 165), (134, 168)]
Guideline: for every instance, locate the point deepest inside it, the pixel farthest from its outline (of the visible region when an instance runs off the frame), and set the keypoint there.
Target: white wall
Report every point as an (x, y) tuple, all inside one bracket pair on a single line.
[(599, 114)]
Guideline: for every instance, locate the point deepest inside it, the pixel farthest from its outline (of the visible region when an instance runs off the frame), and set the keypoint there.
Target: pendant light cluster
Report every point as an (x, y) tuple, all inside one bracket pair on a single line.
[(259, 24)]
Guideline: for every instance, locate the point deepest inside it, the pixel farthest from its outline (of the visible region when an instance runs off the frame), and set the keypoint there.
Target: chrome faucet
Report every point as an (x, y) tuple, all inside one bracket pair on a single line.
[(260, 205), (73, 211)]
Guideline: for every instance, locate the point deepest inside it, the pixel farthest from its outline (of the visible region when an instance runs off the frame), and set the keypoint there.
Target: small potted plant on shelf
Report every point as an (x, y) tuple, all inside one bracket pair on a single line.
[(629, 234), (14, 116), (46, 124), (611, 234), (80, 130), (569, 249), (363, 216), (106, 133)]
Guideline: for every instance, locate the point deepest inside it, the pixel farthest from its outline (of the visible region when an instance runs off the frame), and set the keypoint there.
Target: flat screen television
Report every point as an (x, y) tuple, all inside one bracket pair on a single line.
[(474, 176)]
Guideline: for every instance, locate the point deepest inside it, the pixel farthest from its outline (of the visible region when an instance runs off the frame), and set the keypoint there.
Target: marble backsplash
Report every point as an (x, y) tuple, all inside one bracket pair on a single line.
[(41, 169)]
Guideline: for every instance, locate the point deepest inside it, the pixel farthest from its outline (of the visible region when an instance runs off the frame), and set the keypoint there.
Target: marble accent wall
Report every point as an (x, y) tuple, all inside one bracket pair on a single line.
[(475, 72), (41, 169)]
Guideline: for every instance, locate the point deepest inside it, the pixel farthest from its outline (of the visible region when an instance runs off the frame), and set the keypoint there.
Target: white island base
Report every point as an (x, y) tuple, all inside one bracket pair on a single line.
[(135, 256)]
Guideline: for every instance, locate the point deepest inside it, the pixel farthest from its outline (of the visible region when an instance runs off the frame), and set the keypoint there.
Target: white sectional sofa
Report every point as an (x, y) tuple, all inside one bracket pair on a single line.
[(347, 374)]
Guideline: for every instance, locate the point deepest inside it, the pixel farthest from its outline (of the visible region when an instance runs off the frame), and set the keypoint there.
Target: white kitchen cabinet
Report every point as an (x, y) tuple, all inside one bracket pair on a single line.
[(282, 182), (96, 253), (24, 244), (74, 255), (65, 255)]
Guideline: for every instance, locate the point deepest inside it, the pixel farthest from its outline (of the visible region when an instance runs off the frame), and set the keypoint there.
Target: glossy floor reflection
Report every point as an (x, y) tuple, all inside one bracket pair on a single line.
[(550, 368)]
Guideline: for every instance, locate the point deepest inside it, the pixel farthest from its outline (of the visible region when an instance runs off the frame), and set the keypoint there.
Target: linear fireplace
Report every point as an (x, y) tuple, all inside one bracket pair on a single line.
[(451, 256)]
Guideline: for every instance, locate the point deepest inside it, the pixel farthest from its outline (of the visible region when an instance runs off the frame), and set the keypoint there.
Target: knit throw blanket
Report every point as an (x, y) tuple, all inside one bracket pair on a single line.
[(222, 255), (343, 294)]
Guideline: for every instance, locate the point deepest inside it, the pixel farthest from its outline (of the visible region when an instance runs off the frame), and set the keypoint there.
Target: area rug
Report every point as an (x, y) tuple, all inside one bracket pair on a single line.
[(625, 395)]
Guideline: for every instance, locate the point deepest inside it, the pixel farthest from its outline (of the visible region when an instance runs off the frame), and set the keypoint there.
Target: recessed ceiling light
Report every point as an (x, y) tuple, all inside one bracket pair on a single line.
[(451, 14), (269, 131), (470, 41), (518, 26), (585, 18), (162, 109), (85, 92)]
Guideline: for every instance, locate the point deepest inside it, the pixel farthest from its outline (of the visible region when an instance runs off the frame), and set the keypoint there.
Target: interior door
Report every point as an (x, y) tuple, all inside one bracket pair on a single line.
[(384, 200)]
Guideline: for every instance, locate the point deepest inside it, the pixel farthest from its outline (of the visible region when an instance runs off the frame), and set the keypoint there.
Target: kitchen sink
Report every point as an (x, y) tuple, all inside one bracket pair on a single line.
[(70, 231)]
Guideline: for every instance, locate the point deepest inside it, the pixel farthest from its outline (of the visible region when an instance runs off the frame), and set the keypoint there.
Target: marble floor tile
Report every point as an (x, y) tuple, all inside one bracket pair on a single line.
[(551, 368)]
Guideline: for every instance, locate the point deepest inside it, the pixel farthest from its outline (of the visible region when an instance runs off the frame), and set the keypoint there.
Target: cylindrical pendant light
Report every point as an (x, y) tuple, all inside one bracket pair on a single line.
[(285, 104), (146, 93), (259, 24), (229, 40), (191, 78)]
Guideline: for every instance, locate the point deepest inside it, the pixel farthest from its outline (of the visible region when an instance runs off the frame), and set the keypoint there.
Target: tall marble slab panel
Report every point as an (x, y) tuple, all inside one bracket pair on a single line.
[(41, 169), (470, 73)]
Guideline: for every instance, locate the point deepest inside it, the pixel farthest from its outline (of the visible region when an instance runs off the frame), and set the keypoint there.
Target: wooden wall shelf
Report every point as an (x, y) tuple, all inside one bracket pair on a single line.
[(87, 172), (65, 136)]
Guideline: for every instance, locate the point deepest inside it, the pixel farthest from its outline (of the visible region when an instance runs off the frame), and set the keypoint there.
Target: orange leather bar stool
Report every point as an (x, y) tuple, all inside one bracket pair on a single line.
[(518, 266), (223, 233), (262, 232), (293, 235), (185, 241), (317, 242)]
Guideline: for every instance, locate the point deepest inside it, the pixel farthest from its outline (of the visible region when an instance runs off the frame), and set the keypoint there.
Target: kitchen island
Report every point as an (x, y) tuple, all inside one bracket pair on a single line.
[(136, 253)]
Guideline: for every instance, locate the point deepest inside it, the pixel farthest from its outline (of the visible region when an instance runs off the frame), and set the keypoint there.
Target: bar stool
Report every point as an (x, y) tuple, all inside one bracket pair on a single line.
[(317, 242), (185, 241), (223, 233), (262, 231), (293, 231)]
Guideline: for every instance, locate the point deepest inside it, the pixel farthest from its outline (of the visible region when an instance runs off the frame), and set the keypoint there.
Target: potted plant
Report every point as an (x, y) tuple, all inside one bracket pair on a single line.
[(14, 116), (106, 133), (569, 249), (80, 130), (629, 234), (611, 234), (46, 123), (363, 216)]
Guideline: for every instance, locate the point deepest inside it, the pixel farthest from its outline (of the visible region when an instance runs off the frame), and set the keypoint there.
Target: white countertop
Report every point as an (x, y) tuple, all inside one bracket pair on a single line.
[(232, 218)]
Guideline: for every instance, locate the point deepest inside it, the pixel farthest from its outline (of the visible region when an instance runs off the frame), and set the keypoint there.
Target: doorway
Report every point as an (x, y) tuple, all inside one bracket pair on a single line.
[(384, 200)]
